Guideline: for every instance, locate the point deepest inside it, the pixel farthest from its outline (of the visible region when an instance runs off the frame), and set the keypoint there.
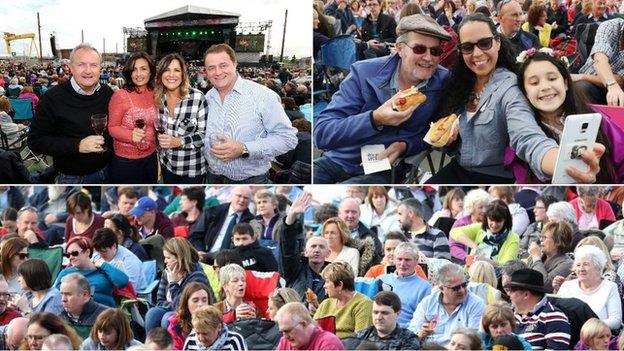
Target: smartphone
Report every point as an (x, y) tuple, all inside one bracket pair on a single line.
[(579, 134)]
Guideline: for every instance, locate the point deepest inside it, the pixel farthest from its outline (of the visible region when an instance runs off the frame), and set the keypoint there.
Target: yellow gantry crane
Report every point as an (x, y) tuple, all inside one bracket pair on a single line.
[(9, 37)]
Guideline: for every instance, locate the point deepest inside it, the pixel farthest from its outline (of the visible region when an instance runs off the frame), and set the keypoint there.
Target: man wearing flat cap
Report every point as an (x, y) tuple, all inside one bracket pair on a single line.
[(540, 322), (361, 113)]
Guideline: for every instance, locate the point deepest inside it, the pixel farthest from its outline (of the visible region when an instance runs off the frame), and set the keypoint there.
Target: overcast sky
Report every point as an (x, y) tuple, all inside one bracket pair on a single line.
[(105, 19)]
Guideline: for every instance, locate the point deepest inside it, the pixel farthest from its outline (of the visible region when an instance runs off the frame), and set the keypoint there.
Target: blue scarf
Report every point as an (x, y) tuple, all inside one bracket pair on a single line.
[(495, 240)]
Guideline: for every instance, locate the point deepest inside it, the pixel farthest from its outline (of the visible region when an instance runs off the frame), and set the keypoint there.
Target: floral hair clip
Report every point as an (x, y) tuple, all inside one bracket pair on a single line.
[(559, 55)]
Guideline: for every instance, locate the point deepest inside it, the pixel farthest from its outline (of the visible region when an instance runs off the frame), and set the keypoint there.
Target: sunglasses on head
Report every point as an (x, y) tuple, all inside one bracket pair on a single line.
[(483, 44), (421, 49), (73, 253)]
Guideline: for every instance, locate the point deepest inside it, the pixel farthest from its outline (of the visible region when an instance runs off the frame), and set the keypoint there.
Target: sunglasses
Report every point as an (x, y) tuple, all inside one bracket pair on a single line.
[(483, 44), (458, 287), (22, 255), (73, 253), (421, 49)]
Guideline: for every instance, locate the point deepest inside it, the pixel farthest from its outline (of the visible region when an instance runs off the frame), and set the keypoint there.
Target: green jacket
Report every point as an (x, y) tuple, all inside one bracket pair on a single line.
[(508, 251)]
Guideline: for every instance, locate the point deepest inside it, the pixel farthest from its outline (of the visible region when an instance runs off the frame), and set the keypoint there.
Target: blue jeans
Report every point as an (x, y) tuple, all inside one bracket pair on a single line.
[(327, 171), (98, 177), (220, 179), (172, 178), (157, 317)]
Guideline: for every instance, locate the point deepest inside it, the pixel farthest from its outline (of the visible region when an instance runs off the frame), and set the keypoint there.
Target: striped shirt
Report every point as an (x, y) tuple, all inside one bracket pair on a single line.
[(233, 342), (253, 115), (547, 327), (189, 124), (433, 243)]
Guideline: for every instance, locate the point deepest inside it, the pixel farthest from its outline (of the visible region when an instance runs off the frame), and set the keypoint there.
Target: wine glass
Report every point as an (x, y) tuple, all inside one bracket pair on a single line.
[(161, 128), (98, 123), (140, 124)]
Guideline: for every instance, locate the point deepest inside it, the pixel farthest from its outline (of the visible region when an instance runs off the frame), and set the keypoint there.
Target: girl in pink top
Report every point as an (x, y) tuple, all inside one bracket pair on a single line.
[(132, 113)]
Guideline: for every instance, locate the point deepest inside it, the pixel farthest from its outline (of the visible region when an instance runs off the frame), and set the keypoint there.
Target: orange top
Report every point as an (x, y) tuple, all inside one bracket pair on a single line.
[(380, 269)]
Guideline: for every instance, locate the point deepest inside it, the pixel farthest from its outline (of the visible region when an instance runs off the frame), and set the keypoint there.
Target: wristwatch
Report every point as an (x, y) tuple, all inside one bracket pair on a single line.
[(245, 152), (610, 83)]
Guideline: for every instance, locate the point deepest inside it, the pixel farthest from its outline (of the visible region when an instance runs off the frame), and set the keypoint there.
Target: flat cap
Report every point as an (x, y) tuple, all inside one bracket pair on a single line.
[(422, 24)]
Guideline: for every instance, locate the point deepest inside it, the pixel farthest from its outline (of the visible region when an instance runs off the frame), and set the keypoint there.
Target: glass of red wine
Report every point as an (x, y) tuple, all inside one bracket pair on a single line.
[(160, 127), (98, 123), (140, 123)]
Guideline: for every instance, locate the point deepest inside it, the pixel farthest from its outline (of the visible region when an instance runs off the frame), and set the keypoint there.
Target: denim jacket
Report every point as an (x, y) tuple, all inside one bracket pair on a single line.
[(503, 118)]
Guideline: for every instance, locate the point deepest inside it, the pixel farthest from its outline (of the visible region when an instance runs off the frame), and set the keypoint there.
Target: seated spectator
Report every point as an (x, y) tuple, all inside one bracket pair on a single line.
[(7, 314), (449, 15), (14, 89), (450, 307), (42, 325), (254, 256), (542, 324), (14, 334), (549, 258), (291, 109), (393, 239), (107, 248), (596, 335), (557, 16), (562, 211), (534, 230), (475, 203), (13, 252), (279, 298), (267, 220), (483, 282), (56, 342), (492, 240), (182, 268), (536, 24), (211, 333), (194, 296), (351, 309), (336, 232), (158, 339), (299, 332), (452, 206), (8, 220), (589, 286), (321, 31), (385, 333), (377, 29), (102, 276), (519, 216), (509, 18), (28, 93), (125, 198), (499, 320), (150, 220), (192, 205), (81, 220), (111, 331), (39, 294), (405, 282), (598, 14), (127, 235), (349, 212), (591, 210), (464, 339), (379, 211), (79, 308), (431, 242), (355, 112), (233, 282)]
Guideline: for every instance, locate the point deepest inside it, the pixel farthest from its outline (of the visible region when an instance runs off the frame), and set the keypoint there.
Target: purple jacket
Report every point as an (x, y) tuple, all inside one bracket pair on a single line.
[(612, 132), (459, 250)]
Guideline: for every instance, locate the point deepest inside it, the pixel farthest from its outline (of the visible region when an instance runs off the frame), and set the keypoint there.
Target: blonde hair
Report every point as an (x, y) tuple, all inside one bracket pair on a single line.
[(184, 252), (483, 272), (207, 317), (474, 197), (497, 312), (592, 328), (343, 228), (282, 296), (340, 272)]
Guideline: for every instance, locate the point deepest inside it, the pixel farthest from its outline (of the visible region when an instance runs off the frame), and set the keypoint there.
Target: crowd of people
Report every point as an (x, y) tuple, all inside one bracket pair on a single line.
[(172, 120), (508, 70), (287, 268)]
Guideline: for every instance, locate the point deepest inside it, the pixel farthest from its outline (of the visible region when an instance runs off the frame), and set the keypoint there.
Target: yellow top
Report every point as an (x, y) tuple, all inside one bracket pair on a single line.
[(354, 316)]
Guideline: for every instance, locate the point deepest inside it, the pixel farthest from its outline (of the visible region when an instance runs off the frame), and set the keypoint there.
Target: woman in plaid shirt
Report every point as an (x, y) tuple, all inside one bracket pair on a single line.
[(183, 112)]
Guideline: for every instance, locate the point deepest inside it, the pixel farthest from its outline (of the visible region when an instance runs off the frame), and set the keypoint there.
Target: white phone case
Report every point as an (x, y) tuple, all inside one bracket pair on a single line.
[(579, 133)]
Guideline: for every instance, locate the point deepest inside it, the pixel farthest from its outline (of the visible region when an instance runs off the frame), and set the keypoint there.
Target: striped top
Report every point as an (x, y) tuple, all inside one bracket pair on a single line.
[(433, 243), (253, 115), (233, 342), (547, 327)]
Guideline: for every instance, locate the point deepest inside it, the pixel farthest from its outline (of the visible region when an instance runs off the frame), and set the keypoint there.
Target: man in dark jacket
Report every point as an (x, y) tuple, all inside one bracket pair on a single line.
[(385, 333), (340, 10), (377, 29), (79, 309), (510, 20), (213, 230), (255, 257), (150, 220), (302, 272)]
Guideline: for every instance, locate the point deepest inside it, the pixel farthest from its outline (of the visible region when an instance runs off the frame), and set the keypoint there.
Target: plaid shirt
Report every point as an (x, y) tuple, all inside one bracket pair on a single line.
[(607, 41), (189, 124)]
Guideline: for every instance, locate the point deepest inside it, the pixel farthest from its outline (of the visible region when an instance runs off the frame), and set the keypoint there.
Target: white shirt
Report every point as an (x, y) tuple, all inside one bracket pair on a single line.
[(351, 256), (219, 240), (604, 300)]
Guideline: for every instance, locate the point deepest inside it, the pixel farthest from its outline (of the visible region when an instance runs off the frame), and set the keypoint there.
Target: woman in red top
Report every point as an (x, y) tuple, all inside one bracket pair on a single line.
[(82, 220), (132, 113)]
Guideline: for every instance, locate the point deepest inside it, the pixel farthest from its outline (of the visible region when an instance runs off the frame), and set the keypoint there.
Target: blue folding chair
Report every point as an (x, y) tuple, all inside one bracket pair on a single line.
[(23, 109), (149, 274)]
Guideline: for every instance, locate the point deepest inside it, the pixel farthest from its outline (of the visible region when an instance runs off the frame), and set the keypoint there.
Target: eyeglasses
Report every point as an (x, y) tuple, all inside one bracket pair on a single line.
[(456, 288), (483, 44), (73, 253), (421, 49), (6, 295), (22, 255)]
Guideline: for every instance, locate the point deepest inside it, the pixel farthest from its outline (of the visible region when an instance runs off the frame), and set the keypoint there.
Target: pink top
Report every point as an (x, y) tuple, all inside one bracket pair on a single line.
[(603, 210), (33, 97), (320, 340), (124, 108)]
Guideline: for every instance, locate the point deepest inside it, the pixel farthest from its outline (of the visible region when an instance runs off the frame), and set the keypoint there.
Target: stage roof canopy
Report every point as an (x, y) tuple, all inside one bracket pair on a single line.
[(188, 11)]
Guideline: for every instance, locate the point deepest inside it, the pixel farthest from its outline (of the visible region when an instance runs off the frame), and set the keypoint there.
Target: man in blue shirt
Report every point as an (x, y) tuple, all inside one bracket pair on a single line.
[(438, 314), (361, 113), (246, 126)]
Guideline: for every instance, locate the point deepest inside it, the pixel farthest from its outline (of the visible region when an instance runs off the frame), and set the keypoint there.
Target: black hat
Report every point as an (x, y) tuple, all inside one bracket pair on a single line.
[(528, 279), (507, 342)]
